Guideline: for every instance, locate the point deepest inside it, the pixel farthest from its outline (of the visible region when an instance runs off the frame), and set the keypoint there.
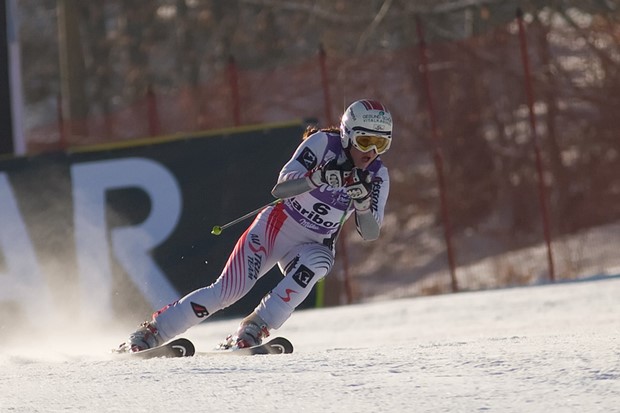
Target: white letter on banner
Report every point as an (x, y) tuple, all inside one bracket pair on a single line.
[(23, 283), (131, 245)]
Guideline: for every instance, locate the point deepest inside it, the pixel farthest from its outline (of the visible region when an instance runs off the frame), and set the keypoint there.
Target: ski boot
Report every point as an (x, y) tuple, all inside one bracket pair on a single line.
[(145, 337), (250, 333)]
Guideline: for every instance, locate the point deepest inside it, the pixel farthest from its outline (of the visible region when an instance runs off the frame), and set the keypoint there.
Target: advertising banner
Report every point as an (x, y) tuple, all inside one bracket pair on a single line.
[(123, 230)]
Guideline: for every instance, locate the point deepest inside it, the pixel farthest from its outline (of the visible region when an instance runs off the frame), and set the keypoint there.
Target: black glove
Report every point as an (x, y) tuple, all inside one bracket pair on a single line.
[(332, 174), (359, 189)]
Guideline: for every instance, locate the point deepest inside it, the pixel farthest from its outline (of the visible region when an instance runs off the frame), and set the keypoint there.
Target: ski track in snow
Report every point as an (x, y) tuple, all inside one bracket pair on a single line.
[(551, 348)]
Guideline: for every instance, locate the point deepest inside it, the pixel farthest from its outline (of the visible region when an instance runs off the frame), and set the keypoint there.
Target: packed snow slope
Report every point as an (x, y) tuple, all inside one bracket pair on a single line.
[(552, 348)]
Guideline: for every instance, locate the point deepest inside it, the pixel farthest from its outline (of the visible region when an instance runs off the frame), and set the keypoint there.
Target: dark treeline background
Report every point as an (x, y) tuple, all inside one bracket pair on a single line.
[(100, 59)]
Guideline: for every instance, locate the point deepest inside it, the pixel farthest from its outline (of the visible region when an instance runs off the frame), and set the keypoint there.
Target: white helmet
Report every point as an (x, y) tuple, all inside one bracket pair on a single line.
[(366, 118)]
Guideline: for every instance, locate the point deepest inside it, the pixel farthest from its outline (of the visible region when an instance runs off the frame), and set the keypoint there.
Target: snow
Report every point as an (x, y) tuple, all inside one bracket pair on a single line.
[(546, 348)]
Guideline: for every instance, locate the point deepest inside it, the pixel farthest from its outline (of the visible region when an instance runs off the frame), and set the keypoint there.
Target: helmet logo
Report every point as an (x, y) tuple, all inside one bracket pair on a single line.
[(380, 117)]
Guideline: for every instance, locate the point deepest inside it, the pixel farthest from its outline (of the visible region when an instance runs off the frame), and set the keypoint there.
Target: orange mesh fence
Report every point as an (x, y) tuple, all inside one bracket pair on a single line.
[(485, 140)]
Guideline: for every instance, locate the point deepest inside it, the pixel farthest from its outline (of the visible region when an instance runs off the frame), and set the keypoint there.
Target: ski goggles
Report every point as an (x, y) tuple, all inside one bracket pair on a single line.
[(366, 143)]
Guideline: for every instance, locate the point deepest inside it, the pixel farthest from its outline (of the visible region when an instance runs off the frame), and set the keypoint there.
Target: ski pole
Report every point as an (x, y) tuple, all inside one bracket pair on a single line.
[(217, 230)]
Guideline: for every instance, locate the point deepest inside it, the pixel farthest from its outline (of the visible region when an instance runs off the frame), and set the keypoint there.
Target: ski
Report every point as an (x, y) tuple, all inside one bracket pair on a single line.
[(278, 345), (180, 347)]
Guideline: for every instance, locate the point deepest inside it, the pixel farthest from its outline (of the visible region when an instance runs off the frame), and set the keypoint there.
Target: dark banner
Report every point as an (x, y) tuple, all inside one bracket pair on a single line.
[(122, 231)]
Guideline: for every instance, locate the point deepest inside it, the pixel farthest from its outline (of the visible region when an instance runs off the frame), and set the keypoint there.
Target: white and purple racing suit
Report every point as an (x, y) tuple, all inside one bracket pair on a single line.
[(297, 234)]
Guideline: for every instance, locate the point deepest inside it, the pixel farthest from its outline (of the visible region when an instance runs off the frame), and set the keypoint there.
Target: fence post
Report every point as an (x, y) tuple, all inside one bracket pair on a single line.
[(152, 112), (62, 134), (342, 239), (542, 191), (327, 102), (438, 156), (233, 81)]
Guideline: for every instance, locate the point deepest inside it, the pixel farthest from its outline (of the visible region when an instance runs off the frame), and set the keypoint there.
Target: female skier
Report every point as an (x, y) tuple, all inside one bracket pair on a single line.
[(332, 175)]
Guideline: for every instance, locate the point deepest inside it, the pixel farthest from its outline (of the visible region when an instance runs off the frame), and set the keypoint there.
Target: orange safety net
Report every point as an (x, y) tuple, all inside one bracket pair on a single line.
[(485, 143)]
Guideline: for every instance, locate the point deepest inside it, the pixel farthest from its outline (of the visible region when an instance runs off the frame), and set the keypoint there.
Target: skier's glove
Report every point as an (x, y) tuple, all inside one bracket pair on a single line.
[(331, 173), (359, 189)]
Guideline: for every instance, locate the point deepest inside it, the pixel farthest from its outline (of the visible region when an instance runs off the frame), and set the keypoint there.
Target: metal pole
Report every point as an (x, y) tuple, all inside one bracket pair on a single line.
[(342, 239), (233, 79), (217, 230), (152, 112), (13, 61), (438, 157), (542, 191), (327, 101)]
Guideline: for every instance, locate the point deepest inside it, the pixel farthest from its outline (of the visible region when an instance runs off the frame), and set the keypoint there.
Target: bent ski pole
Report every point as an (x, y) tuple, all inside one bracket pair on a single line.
[(217, 230)]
